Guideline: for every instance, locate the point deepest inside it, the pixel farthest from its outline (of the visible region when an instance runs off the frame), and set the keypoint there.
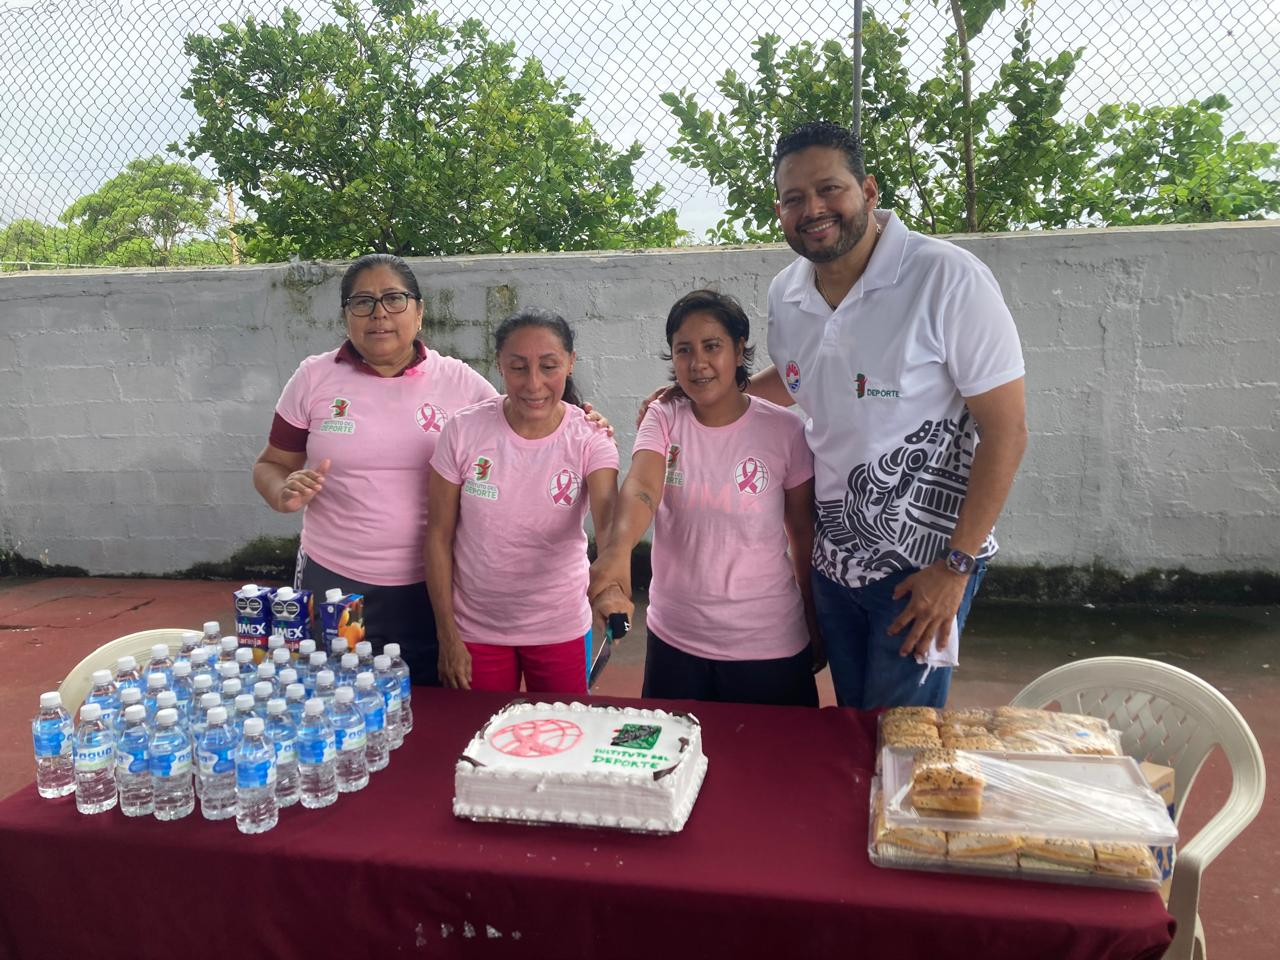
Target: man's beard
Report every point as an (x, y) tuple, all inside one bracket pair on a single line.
[(851, 230)]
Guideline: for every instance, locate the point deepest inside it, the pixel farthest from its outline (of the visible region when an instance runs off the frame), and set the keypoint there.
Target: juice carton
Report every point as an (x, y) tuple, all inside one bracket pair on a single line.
[(253, 617), (291, 612), (342, 616)]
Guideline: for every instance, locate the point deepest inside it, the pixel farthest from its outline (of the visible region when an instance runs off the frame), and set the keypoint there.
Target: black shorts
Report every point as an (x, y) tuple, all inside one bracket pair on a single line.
[(675, 675), (400, 614)]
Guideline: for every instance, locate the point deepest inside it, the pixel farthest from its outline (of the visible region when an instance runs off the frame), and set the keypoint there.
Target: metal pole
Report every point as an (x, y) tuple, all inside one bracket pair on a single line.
[(857, 68)]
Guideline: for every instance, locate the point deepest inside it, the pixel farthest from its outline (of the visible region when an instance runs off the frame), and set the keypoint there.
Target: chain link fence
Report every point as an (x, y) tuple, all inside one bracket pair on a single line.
[(90, 85)]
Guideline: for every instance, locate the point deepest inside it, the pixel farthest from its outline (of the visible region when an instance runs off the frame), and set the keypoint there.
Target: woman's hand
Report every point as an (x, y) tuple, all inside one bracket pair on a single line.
[(596, 417), (611, 600), (454, 664), (301, 487)]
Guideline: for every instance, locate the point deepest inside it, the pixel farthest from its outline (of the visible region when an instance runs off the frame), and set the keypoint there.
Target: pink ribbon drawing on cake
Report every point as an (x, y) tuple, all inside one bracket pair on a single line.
[(543, 737)]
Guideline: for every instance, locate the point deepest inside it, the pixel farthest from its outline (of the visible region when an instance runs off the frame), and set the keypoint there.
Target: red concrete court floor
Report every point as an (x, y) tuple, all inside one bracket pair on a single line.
[(47, 625)]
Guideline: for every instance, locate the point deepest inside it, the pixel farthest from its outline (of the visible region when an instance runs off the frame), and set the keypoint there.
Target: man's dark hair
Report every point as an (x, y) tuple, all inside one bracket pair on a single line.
[(821, 133)]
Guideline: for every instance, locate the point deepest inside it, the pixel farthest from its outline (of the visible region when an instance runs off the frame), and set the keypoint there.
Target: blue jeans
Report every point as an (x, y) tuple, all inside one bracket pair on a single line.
[(866, 668)]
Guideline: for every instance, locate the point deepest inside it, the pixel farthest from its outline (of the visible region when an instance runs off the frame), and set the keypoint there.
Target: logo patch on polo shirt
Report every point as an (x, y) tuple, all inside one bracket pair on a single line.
[(339, 417), (565, 488), (752, 476), (675, 477), (430, 417), (792, 376), (478, 485), (862, 389)]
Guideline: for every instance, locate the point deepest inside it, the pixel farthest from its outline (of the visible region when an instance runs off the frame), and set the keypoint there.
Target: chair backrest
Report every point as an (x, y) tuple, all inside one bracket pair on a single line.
[(79, 680), (1168, 716)]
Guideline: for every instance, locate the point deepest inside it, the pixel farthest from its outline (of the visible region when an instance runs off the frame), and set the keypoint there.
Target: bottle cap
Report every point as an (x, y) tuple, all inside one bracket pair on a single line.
[(306, 647), (190, 638), (218, 715), (125, 664), (167, 717), (295, 691), (262, 690), (160, 651), (287, 676), (364, 649), (349, 661), (202, 683), (280, 655), (167, 698), (392, 650), (101, 677), (90, 711), (212, 627), (244, 701), (244, 654), (130, 695), (182, 668), (156, 681), (228, 669), (275, 705), (199, 656), (51, 700), (344, 695), (231, 687), (253, 727), (210, 700), (135, 712), (275, 641), (325, 677), (318, 659), (339, 646), (266, 669), (229, 643), (314, 707), (382, 662), (333, 595), (364, 680), (285, 593)]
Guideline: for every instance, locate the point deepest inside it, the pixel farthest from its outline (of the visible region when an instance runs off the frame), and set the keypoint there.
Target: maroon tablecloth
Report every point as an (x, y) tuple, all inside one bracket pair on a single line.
[(772, 863)]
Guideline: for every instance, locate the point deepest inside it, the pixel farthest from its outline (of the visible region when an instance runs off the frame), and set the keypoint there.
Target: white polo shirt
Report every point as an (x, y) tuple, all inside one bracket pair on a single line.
[(882, 379)]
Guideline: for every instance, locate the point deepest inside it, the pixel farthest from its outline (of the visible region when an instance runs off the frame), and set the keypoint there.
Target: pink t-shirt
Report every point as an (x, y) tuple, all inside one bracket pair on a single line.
[(723, 586), (519, 550), (369, 523)]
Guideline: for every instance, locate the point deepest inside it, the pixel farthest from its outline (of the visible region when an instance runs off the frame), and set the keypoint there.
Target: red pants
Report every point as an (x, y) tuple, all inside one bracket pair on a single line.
[(547, 667)]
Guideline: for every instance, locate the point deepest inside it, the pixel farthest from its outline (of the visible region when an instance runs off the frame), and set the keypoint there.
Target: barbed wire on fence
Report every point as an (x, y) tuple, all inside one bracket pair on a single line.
[(91, 86)]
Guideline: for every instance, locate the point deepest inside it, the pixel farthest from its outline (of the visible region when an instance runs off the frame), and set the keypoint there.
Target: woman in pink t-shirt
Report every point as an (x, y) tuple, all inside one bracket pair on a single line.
[(727, 480), (506, 553)]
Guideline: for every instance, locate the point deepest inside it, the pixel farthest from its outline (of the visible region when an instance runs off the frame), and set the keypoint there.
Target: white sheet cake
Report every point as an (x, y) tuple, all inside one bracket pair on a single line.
[(585, 765)]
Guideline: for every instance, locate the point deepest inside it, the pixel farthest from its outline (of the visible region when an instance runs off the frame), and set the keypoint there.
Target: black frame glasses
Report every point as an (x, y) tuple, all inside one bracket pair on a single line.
[(363, 304)]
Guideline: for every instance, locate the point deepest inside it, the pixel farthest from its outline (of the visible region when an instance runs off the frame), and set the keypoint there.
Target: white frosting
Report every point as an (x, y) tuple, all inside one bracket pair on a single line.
[(585, 765)]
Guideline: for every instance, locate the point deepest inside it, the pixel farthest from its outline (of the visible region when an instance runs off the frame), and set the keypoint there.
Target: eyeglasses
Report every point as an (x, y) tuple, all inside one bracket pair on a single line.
[(363, 305)]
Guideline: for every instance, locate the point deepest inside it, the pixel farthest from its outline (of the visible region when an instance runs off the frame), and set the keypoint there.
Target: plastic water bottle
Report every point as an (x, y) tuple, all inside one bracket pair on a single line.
[(127, 674), (295, 697), (317, 757), (128, 697), (217, 753), (160, 662), (267, 673), (133, 765), (256, 810), (171, 767), (230, 690), (276, 642), (182, 687), (389, 687), (200, 665), (325, 687), (244, 661), (283, 734), (401, 670), (285, 677), (364, 653), (369, 700), (156, 684), (244, 710), (350, 741), (212, 634), (349, 667), (337, 647), (305, 649), (53, 736), (189, 645), (281, 658), (227, 648), (169, 700), (201, 685), (263, 692), (104, 694), (227, 670), (95, 762), (314, 666)]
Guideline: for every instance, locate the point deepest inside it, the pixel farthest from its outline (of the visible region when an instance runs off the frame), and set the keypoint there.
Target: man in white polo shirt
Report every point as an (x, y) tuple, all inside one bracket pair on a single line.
[(901, 352)]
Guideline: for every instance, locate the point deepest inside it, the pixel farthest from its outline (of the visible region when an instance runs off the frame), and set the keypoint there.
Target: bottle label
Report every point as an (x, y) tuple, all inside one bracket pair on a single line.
[(375, 719), (317, 751), (89, 759), (392, 699), (51, 743), (353, 739), (286, 750), (171, 764), (255, 773), (405, 689), (132, 759), (214, 762)]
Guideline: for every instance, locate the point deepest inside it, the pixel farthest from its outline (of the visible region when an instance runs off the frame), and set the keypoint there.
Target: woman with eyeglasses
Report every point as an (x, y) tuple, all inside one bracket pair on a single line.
[(353, 434)]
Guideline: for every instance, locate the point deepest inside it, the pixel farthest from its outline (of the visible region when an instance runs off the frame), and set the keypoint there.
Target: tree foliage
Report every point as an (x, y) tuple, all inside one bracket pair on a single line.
[(400, 133), (1032, 166)]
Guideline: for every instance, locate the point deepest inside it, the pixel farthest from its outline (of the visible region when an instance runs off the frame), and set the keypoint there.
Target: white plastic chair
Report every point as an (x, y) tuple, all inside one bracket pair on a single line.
[(1171, 717), (79, 680)]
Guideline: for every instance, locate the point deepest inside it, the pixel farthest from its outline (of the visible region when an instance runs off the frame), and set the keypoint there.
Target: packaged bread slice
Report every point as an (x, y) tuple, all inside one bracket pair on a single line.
[(914, 714), (976, 716), (910, 842), (1057, 853), (969, 845), (953, 730), (1125, 860), (984, 741), (948, 781)]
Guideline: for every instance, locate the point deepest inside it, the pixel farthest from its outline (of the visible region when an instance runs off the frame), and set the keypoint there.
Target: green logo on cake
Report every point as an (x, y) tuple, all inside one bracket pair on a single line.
[(637, 736)]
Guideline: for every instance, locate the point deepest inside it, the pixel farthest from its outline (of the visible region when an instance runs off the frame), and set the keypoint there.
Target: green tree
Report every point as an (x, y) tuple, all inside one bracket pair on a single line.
[(142, 215), (951, 159), (394, 131)]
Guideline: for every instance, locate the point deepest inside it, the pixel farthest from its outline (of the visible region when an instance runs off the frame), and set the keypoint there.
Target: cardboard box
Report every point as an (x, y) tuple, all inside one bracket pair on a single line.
[(1161, 781)]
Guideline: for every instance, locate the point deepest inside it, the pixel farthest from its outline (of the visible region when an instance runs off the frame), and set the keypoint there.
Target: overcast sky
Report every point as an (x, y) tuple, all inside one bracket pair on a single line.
[(87, 85)]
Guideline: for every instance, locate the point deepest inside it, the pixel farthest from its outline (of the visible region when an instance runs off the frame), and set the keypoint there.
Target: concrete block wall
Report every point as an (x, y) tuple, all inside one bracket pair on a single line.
[(133, 403)]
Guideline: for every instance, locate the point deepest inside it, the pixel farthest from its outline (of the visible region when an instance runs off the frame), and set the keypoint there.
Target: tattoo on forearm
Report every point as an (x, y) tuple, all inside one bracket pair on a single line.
[(646, 500)]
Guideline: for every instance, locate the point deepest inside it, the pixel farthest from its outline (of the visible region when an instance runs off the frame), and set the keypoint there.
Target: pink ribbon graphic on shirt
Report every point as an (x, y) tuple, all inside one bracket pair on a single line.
[(563, 494), (430, 417), (750, 469)]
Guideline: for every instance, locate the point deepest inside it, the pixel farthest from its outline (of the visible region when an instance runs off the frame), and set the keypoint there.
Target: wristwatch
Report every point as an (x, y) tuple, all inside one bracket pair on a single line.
[(960, 562)]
